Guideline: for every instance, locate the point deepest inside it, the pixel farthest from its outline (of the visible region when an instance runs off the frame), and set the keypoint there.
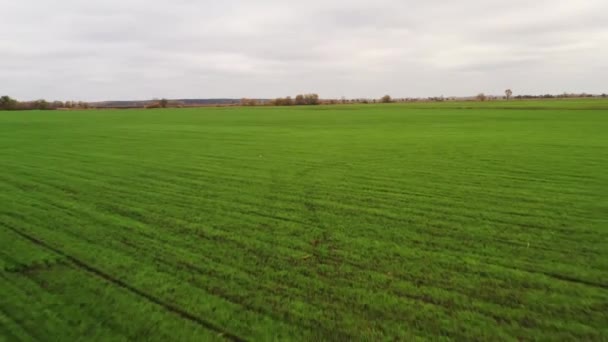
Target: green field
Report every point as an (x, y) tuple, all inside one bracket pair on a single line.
[(466, 221)]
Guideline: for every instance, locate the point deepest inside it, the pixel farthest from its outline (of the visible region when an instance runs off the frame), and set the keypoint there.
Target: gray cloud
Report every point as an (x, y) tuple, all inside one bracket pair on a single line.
[(95, 50)]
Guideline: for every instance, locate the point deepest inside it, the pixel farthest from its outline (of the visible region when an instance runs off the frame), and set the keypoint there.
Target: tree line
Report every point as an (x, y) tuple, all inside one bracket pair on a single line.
[(309, 100), (9, 103), (509, 96), (300, 100), (313, 99)]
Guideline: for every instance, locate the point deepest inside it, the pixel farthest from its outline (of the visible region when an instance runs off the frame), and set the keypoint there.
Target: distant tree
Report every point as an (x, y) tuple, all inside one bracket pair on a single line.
[(307, 99), (41, 104), (288, 101), (509, 93), (386, 99), (248, 102), (283, 101), (300, 100), (481, 97), (163, 103), (8, 103), (311, 99), (604, 95)]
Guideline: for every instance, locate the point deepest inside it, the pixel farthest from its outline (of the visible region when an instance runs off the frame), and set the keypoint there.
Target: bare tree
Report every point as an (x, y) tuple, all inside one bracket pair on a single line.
[(386, 99), (509, 93), (311, 99), (300, 100), (283, 101), (481, 97), (248, 102)]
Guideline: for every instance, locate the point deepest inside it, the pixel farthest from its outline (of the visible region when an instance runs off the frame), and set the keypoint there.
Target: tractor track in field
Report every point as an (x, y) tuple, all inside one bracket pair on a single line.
[(574, 280), (169, 307)]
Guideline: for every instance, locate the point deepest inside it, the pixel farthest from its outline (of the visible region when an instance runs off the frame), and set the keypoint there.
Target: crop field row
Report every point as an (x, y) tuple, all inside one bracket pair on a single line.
[(369, 222)]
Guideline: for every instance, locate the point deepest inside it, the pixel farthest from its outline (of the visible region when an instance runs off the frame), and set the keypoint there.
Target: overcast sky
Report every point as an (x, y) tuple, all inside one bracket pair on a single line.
[(136, 49)]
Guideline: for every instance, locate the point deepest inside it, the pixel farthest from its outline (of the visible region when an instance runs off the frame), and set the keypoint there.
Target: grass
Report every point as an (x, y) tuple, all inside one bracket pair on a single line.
[(334, 222)]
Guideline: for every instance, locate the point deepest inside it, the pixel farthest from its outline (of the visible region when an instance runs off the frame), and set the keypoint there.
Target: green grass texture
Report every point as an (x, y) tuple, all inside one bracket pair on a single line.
[(441, 221)]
